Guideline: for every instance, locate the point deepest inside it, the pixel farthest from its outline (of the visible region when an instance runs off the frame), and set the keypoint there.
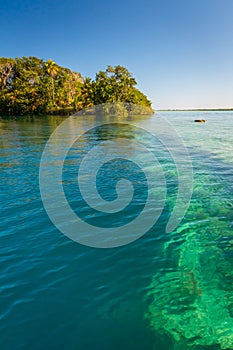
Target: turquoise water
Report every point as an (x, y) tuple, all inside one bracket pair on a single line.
[(163, 291)]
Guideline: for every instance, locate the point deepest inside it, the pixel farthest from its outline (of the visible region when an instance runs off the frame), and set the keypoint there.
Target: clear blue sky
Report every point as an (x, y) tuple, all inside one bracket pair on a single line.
[(180, 51)]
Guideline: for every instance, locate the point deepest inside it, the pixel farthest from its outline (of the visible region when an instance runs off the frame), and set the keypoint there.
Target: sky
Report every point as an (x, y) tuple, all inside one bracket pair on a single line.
[(179, 51)]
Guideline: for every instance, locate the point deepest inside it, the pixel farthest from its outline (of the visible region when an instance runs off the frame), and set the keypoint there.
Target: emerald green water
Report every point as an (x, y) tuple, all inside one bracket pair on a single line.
[(163, 291)]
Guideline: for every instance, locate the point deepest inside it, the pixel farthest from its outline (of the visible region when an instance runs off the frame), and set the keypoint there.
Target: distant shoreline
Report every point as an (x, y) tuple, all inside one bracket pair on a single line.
[(195, 110)]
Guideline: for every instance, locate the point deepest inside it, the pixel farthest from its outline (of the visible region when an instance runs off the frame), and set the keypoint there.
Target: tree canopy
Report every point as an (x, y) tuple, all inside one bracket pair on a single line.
[(30, 85)]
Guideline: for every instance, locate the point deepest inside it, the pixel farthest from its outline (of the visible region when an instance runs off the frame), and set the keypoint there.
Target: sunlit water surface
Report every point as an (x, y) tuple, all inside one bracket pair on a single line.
[(151, 294)]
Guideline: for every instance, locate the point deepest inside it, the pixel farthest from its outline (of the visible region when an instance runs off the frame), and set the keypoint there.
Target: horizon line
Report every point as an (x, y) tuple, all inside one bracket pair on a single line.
[(193, 109)]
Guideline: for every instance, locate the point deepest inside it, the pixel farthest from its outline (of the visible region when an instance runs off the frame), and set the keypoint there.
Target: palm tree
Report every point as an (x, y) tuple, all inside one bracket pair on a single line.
[(52, 69)]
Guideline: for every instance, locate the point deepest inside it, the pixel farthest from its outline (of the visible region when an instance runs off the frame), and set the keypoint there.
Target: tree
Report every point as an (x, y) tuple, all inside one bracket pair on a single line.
[(116, 84), (30, 85), (6, 70), (113, 85), (27, 86), (6, 76), (52, 69)]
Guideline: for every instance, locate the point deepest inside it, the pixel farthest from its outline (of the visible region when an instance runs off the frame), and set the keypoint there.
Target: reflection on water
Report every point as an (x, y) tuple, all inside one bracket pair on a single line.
[(163, 291)]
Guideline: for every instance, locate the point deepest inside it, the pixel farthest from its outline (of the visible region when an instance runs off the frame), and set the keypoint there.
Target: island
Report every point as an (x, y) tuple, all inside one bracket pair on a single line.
[(33, 86)]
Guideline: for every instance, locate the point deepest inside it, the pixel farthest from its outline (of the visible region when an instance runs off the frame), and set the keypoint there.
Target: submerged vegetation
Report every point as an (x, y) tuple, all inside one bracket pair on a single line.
[(30, 85), (193, 303)]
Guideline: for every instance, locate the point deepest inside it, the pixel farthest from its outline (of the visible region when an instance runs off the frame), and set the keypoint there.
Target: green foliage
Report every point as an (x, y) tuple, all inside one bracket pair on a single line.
[(29, 85), (117, 84)]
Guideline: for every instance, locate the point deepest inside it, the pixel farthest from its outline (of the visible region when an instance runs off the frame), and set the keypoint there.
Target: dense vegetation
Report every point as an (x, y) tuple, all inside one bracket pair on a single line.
[(30, 85)]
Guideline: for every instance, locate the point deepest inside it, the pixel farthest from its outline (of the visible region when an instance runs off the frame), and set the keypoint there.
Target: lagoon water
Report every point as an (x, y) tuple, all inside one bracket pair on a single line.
[(163, 291)]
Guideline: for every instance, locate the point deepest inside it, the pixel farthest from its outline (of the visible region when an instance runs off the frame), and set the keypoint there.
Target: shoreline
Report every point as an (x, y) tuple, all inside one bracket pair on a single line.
[(196, 110)]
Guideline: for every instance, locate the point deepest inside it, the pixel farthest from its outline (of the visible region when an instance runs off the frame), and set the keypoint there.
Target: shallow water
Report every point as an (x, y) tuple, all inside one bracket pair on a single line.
[(58, 294)]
